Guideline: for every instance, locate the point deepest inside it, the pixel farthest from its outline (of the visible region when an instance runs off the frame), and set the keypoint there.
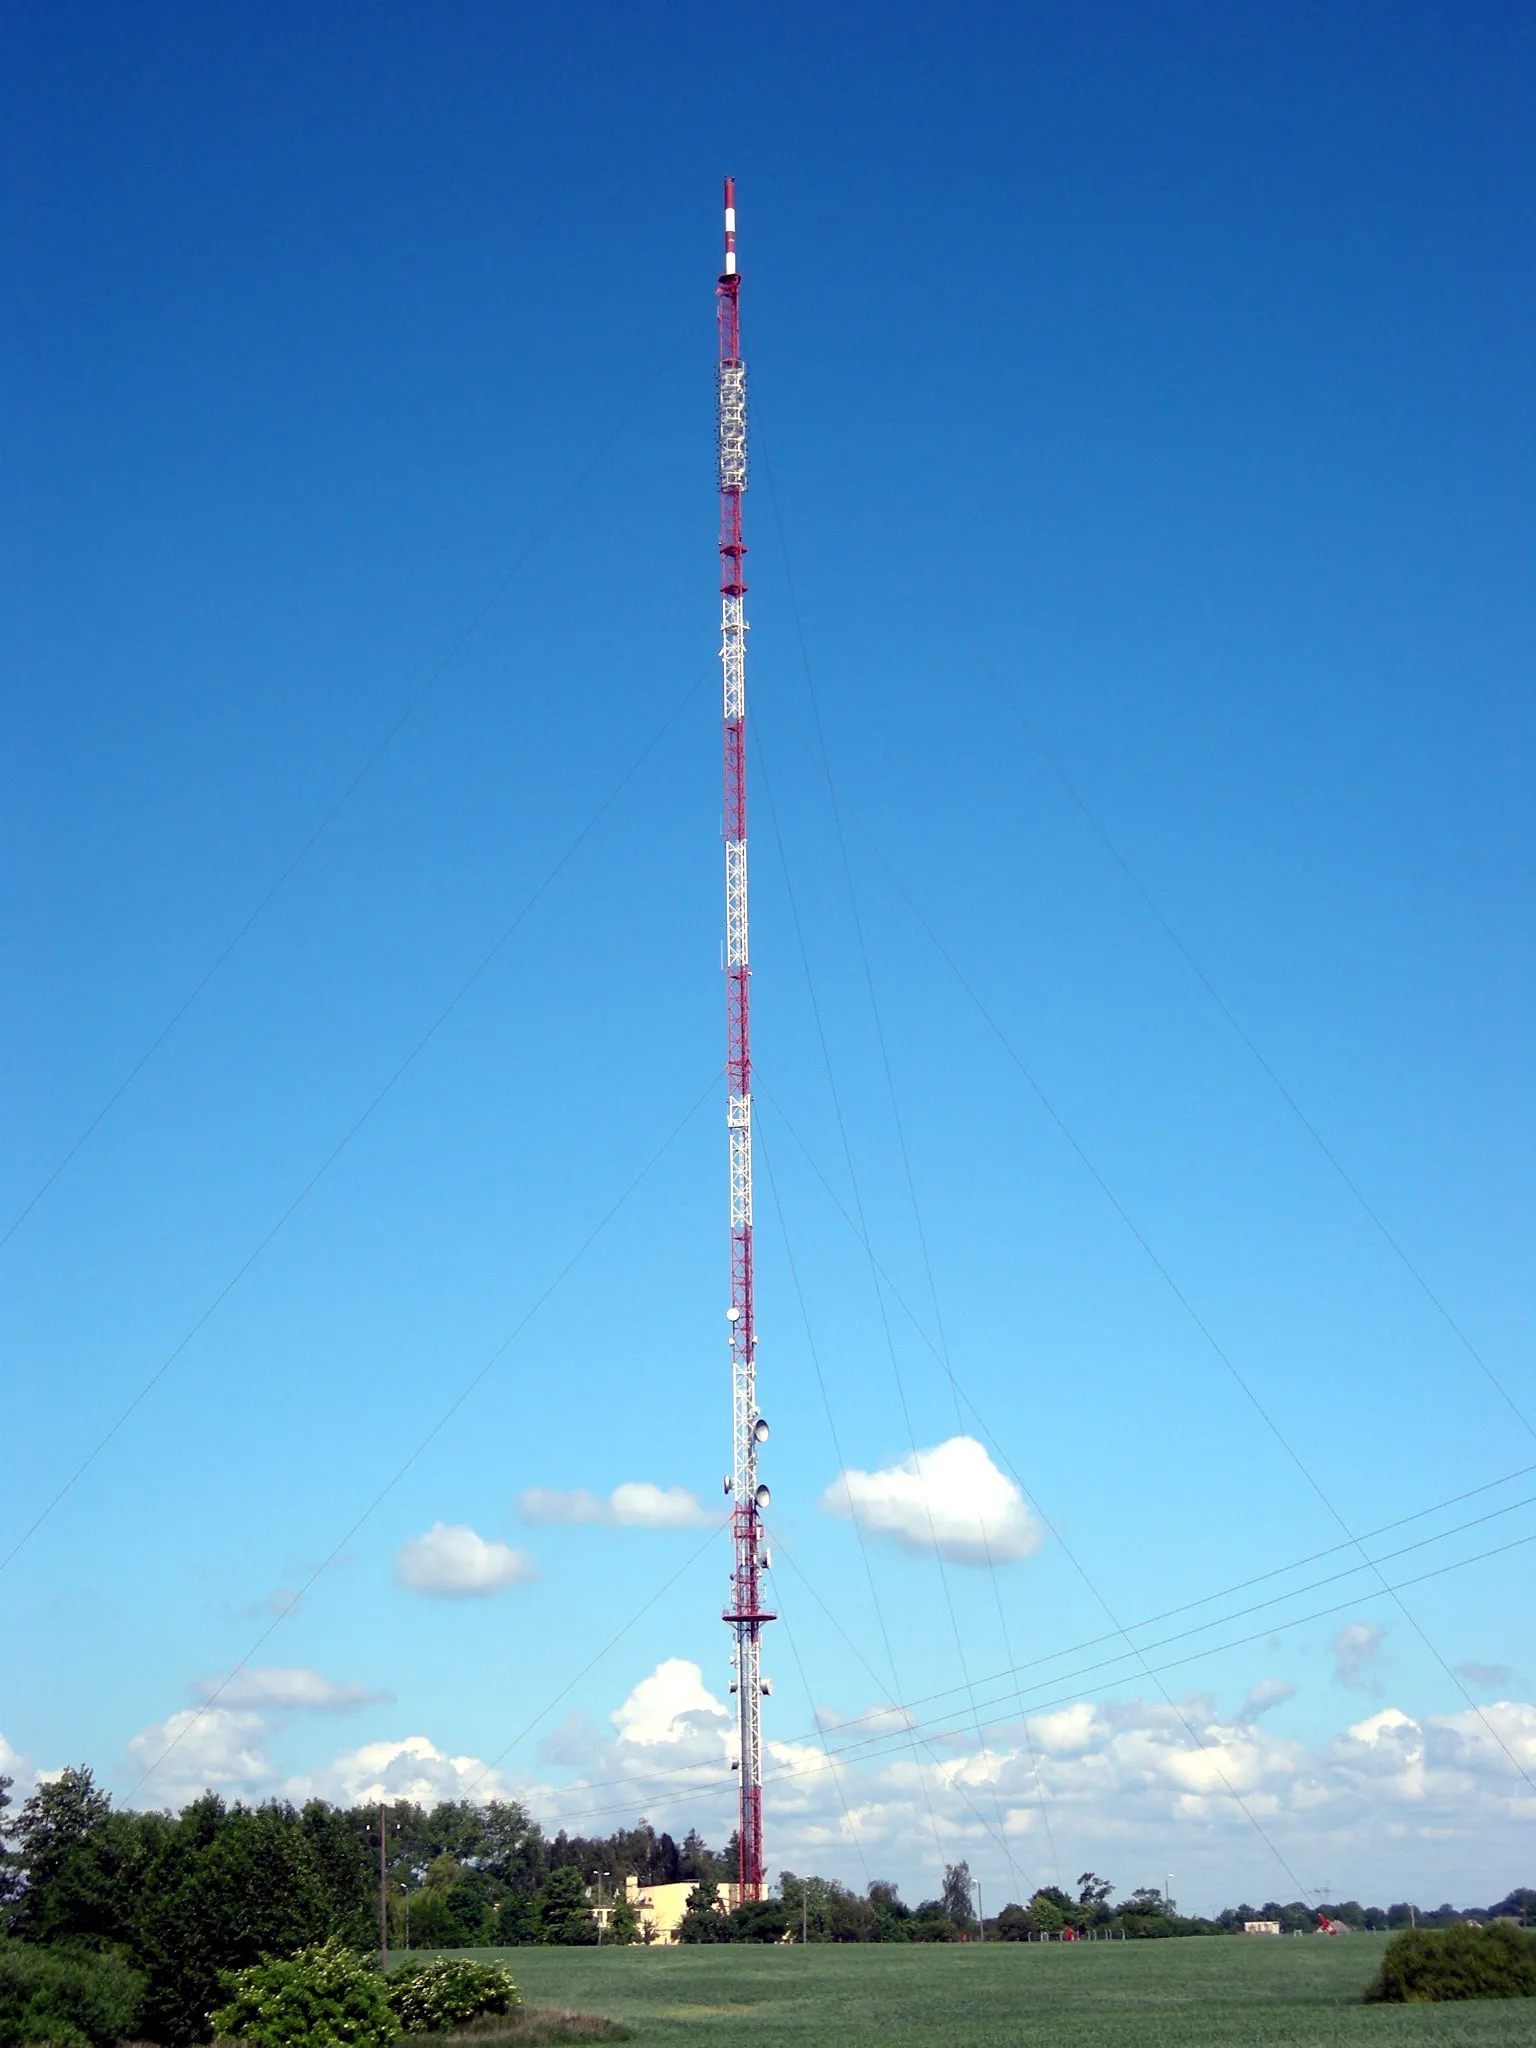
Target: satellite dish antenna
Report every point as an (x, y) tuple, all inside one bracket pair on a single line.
[(733, 1315), (763, 1496), (760, 1430)]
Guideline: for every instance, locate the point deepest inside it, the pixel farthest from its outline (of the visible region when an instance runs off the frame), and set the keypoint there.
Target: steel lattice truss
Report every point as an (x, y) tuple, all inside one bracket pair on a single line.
[(745, 1613)]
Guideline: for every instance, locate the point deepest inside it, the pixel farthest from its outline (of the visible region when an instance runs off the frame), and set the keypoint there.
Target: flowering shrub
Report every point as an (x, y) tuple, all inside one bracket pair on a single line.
[(429, 1998), (324, 1997)]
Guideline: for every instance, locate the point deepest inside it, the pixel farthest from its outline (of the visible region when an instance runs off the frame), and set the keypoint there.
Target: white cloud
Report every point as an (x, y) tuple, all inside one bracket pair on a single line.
[(14, 1765), (951, 1498), (1131, 1786), (637, 1504), (1355, 1648), (634, 1504), (1264, 1694), (207, 1749), (1394, 1806), (290, 1686), (404, 1767), (672, 1705), (451, 1559)]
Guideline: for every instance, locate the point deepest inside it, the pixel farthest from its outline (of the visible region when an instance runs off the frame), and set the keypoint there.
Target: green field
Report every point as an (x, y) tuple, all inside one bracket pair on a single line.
[(1210, 1993)]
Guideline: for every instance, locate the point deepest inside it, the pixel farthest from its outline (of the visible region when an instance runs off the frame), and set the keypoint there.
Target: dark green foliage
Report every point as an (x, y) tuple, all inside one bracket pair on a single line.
[(623, 1923), (931, 1922), (517, 1920), (343, 1849), (703, 1920), (891, 1915), (1050, 1910), (92, 1895), (1426, 1965), (228, 1889), (324, 1997), (1012, 1924), (1093, 1893), (564, 1917), (65, 1997), (758, 1920), (56, 1820), (429, 1998)]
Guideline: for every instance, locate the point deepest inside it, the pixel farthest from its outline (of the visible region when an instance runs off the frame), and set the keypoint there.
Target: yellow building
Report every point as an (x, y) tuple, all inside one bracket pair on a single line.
[(660, 1907)]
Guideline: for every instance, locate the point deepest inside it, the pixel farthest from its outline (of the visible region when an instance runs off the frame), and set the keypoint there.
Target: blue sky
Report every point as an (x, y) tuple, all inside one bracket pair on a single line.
[(1139, 516)]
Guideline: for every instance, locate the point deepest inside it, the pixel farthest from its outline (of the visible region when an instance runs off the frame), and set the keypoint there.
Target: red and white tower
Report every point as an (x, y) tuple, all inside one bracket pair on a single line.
[(745, 1613)]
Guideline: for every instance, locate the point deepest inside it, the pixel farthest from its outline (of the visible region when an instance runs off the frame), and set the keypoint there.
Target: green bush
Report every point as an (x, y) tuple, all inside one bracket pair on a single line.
[(324, 1997), (429, 1998), (1469, 1961), (65, 1998)]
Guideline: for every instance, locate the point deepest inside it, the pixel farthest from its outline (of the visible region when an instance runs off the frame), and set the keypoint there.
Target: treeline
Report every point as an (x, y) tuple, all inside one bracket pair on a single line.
[(183, 1901), (820, 1909), (163, 1908), (1298, 1918)]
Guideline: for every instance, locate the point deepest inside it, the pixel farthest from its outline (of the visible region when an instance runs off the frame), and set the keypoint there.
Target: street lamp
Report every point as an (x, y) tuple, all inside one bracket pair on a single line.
[(981, 1918), (597, 1878)]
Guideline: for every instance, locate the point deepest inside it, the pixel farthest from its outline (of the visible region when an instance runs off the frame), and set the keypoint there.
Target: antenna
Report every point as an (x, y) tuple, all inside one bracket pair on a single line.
[(745, 1614)]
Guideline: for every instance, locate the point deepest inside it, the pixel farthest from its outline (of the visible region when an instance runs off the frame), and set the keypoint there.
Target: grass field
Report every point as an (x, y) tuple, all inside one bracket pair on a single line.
[(1212, 1993)]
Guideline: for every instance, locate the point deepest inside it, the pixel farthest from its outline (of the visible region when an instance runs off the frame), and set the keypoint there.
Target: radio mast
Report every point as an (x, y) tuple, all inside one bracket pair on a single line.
[(745, 1614)]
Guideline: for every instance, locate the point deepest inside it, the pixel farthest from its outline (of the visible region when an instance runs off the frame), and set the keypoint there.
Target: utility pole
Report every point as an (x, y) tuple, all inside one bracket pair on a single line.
[(981, 1918), (383, 1898), (745, 1614)]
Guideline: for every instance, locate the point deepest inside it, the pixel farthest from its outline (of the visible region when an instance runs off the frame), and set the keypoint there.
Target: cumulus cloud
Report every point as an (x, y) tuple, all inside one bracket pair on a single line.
[(451, 1559), (951, 1498), (207, 1749), (291, 1687), (1264, 1694), (637, 1504), (13, 1765), (402, 1767), (634, 1504), (1355, 1649), (1121, 1784), (1484, 1675), (672, 1705)]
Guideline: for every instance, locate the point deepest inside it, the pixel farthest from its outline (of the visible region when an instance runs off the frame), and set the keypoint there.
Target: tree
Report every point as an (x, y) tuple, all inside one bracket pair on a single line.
[(343, 1857), (92, 1898), (956, 1894), (565, 1919), (1013, 1923), (57, 1818), (891, 1915), (1050, 1910), (1145, 1903), (1093, 1892), (227, 1889), (758, 1920), (623, 1923), (931, 1922), (702, 1918)]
